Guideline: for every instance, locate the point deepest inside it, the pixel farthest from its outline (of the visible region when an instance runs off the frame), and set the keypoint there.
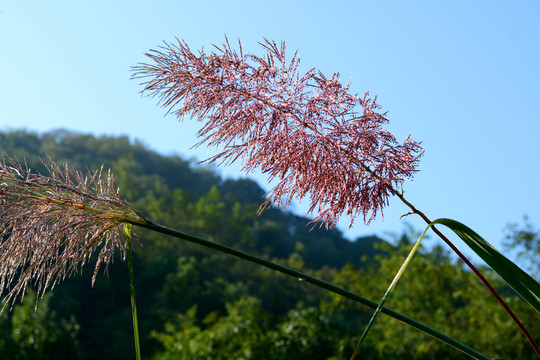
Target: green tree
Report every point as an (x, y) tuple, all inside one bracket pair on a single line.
[(39, 334), (524, 240), (305, 333), (436, 291), (238, 335)]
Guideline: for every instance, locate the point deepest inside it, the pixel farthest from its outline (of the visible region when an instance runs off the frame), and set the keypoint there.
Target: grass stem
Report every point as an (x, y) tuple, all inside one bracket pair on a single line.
[(387, 294), (129, 252), (317, 282)]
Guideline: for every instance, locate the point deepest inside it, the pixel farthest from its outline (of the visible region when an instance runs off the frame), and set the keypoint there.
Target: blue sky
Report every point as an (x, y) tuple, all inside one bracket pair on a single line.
[(462, 77)]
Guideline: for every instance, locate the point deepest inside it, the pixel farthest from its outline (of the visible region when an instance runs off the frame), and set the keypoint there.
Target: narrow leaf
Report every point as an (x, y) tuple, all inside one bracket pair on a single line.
[(317, 282), (387, 293), (519, 280)]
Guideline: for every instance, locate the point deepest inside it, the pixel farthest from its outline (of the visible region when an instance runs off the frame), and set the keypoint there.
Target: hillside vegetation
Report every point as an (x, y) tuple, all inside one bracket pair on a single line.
[(195, 303)]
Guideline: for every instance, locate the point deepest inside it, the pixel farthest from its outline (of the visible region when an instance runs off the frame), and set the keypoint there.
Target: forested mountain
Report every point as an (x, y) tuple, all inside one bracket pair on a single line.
[(181, 193), (195, 303)]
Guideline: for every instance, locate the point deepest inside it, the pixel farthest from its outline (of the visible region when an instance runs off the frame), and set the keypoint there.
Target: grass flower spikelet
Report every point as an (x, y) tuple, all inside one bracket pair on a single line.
[(306, 131), (51, 225)]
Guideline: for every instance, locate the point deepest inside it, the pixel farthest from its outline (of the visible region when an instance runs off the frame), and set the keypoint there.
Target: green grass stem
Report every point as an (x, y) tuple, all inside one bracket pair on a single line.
[(129, 251), (317, 282), (387, 293)]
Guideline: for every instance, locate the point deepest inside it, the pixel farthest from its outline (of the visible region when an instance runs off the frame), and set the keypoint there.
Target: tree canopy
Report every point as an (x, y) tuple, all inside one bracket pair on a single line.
[(198, 304)]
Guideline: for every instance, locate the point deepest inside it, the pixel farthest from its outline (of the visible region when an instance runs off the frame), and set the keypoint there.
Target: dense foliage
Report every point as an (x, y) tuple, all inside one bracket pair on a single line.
[(195, 303)]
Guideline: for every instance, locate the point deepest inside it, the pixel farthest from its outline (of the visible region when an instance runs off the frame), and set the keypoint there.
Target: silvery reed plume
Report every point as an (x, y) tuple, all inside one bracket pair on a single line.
[(51, 225), (303, 130), (310, 134)]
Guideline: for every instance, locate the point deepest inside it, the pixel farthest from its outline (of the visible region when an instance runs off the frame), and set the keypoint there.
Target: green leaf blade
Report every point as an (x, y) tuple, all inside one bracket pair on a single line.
[(515, 277)]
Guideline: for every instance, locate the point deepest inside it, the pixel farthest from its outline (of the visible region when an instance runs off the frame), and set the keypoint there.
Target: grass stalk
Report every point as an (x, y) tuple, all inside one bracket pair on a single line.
[(129, 252), (387, 294), (317, 282)]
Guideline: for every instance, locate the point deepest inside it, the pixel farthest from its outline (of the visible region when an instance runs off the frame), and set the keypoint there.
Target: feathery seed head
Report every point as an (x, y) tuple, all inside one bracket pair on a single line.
[(51, 225), (307, 131)]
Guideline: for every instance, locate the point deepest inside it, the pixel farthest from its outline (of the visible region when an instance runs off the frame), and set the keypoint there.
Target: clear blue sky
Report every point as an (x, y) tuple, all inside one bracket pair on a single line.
[(463, 77)]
